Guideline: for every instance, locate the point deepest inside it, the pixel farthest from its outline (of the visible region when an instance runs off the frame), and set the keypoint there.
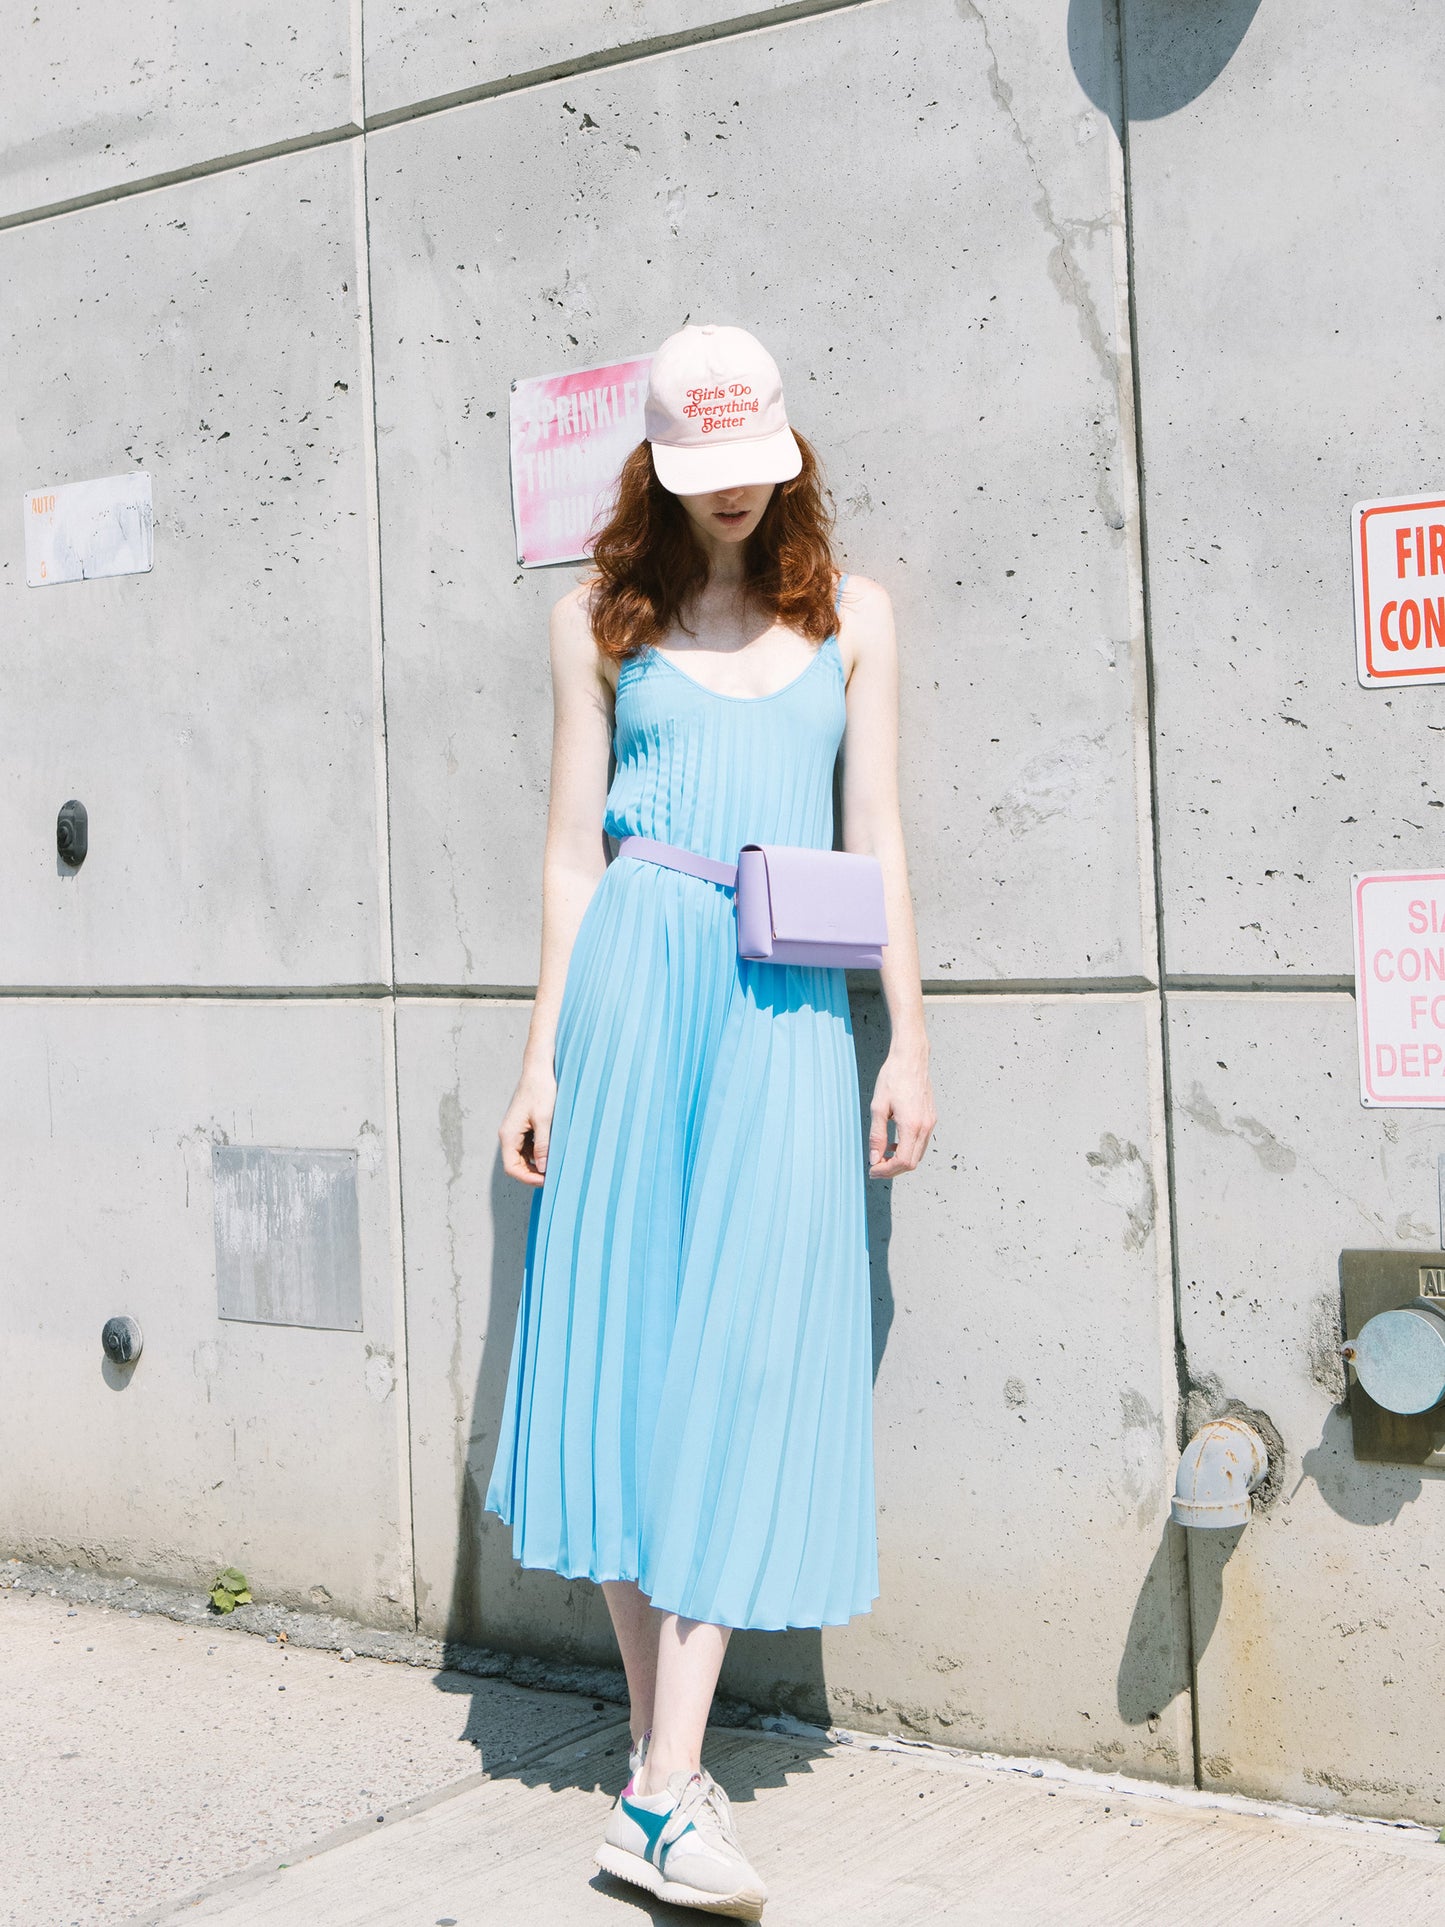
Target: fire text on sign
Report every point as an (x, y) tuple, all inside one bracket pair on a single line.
[(1399, 557)]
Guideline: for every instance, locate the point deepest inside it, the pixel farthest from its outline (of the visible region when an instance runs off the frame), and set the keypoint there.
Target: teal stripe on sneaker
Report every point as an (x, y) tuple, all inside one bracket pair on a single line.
[(652, 1825)]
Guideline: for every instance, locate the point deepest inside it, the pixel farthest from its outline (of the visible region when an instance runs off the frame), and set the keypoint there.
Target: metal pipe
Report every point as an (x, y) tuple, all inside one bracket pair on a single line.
[(1220, 1467)]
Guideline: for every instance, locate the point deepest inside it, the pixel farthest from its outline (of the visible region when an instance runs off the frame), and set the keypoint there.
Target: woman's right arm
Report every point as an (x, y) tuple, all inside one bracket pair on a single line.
[(572, 865)]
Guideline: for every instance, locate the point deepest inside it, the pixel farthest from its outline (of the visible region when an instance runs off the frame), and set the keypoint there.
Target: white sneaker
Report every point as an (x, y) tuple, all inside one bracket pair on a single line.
[(681, 1845)]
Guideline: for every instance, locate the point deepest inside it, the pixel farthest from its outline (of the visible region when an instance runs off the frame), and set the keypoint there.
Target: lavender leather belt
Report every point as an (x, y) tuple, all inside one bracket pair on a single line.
[(793, 904), (671, 857)]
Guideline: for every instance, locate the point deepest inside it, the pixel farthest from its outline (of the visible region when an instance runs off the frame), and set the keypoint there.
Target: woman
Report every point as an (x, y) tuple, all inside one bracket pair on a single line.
[(688, 1413)]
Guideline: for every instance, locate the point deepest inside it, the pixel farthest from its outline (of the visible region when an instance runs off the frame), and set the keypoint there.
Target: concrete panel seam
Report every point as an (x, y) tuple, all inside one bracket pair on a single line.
[(625, 55), (396, 1202), (944, 987), (358, 63), (177, 176), (382, 773), (941, 988), (372, 464), (203, 993), (1241, 986), (621, 56), (1118, 9)]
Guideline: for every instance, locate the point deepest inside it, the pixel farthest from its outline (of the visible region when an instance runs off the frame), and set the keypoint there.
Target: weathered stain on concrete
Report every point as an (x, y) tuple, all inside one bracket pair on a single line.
[(1128, 1182), (1273, 1155)]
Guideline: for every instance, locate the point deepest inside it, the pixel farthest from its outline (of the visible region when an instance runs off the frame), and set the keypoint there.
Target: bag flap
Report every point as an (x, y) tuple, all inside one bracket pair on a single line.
[(825, 896)]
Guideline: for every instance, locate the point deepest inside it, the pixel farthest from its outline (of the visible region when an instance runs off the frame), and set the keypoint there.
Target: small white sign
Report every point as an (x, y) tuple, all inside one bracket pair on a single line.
[(1400, 987), (77, 531), (1399, 559)]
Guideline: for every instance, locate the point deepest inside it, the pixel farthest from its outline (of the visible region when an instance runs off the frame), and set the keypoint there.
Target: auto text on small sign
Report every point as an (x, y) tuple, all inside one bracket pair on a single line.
[(1400, 987), (81, 531)]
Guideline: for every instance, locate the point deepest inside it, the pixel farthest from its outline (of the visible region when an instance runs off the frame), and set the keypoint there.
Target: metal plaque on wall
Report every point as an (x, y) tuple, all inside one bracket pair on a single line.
[(288, 1236)]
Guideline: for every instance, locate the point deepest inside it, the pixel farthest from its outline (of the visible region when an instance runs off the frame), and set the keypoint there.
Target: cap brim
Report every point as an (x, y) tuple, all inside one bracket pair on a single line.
[(702, 471)]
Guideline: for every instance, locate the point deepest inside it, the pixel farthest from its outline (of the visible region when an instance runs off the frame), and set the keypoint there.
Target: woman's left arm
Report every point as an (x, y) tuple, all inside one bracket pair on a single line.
[(873, 824)]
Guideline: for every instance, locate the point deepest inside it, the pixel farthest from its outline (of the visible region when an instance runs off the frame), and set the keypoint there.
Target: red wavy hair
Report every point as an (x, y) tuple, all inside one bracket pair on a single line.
[(649, 565)]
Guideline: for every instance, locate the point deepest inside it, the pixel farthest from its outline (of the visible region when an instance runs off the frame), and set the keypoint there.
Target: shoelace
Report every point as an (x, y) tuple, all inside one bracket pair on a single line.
[(701, 1800)]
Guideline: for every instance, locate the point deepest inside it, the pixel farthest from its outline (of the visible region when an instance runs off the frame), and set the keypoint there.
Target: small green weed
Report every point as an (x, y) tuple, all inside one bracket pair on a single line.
[(229, 1590)]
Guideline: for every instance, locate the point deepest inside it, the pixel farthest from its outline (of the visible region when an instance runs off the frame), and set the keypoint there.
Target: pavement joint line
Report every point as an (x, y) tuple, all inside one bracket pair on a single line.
[(782, 1730), (585, 1734), (540, 1754)]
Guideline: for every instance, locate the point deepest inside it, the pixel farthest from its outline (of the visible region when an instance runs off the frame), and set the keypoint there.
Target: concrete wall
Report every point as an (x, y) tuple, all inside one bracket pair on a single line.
[(1289, 339), (295, 283)]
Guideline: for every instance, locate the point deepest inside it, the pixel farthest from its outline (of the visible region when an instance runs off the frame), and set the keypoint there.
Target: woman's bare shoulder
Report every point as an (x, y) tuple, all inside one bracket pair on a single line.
[(574, 647), (572, 612), (865, 622), (862, 596)]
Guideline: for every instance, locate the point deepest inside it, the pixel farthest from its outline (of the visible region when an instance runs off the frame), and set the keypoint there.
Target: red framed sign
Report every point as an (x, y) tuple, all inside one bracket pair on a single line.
[(1399, 562)]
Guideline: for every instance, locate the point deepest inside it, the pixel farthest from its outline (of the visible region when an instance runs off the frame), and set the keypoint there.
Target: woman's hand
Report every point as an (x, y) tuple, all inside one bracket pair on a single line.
[(527, 1126), (904, 1094)]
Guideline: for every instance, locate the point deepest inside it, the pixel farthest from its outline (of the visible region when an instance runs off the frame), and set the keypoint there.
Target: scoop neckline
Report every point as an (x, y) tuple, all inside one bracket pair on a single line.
[(722, 695)]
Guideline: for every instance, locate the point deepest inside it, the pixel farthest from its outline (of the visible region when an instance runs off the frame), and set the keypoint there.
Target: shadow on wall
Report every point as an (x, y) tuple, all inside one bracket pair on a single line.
[(1374, 1495), (1153, 1669), (1154, 1665), (494, 1603), (1173, 50)]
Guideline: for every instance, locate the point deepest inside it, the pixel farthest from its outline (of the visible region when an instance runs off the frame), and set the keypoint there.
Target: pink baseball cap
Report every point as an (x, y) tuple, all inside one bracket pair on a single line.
[(715, 415)]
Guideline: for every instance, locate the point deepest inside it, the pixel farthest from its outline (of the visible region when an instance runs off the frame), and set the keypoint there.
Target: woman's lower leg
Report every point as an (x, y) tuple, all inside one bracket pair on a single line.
[(688, 1657), (636, 1625)]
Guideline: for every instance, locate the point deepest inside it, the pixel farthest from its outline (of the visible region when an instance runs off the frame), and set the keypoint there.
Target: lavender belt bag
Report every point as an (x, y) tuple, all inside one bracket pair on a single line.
[(794, 905)]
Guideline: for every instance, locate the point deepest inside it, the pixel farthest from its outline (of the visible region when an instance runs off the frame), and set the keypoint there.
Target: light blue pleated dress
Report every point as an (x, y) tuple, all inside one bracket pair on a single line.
[(689, 1403)]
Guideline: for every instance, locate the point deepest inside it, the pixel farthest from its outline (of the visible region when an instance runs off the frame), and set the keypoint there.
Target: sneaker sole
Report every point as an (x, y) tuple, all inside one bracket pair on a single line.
[(743, 1905)]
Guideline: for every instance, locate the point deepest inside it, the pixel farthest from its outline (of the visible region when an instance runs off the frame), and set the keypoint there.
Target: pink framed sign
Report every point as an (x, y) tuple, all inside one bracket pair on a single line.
[(1400, 987), (570, 436)]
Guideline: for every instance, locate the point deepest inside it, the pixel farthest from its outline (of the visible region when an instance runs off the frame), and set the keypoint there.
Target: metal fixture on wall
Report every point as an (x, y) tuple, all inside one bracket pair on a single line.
[(72, 834), (1399, 1357), (121, 1338), (1394, 1325), (1220, 1467)]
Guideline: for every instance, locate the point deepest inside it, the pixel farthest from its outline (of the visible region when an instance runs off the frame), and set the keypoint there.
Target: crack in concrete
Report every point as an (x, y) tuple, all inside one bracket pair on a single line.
[(469, 967), (1064, 270)]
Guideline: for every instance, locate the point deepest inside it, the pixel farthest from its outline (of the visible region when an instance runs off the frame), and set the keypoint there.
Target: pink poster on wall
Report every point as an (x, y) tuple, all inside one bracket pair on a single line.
[(570, 436)]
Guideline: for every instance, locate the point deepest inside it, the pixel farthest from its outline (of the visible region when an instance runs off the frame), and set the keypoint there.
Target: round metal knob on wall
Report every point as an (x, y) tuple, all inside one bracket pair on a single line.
[(122, 1340), (72, 833)]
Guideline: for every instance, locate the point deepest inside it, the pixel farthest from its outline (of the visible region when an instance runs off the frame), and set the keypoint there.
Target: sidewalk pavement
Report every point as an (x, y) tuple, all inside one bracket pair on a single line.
[(155, 1774)]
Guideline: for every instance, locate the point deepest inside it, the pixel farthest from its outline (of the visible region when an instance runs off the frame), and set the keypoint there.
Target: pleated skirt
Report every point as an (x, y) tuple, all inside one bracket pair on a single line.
[(689, 1403)]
